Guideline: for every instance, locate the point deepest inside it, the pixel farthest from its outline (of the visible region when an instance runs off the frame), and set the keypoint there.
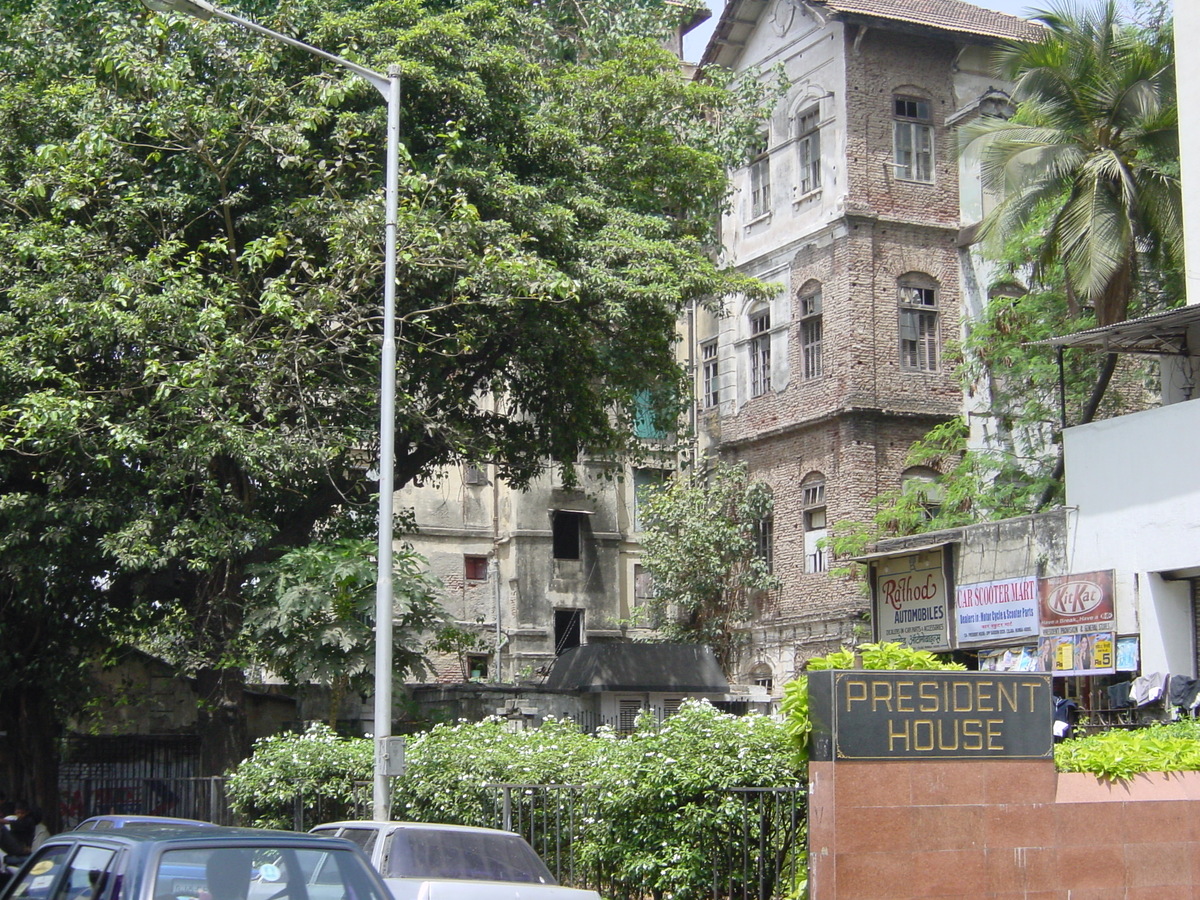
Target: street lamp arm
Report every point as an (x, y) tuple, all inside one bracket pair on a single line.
[(389, 86), (202, 9)]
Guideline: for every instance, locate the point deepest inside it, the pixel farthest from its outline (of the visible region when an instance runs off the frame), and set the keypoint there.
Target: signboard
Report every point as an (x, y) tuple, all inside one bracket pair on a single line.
[(1077, 604), (1090, 653), (879, 715), (911, 603), (997, 610)]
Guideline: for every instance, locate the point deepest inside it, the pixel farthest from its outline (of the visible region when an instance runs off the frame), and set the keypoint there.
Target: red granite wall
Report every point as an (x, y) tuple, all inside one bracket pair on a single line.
[(1000, 830)]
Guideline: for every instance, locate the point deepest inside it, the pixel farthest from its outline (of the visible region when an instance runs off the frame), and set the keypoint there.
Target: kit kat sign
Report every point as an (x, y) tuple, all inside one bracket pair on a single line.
[(1077, 604)]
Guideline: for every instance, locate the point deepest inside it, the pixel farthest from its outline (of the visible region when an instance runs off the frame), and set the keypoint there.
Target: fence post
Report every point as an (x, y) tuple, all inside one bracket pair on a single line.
[(507, 813)]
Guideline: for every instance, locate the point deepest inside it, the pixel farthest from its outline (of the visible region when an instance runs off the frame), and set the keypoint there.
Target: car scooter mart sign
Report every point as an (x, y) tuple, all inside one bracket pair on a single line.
[(879, 715), (911, 606)]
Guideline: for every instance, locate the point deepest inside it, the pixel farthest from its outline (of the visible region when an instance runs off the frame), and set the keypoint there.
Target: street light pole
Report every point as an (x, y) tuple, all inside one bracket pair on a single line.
[(389, 86)]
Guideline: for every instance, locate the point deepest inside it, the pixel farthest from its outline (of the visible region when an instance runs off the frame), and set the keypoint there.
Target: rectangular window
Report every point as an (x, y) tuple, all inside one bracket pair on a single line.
[(627, 715), (760, 354), (710, 392), (568, 528), (643, 585), (760, 180), (568, 630), (477, 666), (918, 339), (811, 332), (808, 148), (475, 568), (473, 475), (913, 132), (764, 542), (816, 558)]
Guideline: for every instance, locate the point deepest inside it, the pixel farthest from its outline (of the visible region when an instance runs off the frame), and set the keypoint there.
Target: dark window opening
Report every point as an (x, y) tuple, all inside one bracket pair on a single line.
[(475, 568), (477, 667), (568, 532), (568, 630)]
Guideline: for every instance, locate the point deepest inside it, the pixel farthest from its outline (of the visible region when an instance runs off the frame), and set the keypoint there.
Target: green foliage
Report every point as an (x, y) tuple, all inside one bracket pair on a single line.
[(883, 655), (311, 616), (190, 248), (449, 766), (450, 639), (700, 546), (657, 811), (316, 770), (1120, 754)]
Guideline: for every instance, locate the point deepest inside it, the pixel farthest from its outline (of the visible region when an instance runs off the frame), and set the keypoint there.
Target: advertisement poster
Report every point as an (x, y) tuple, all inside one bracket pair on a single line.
[(1077, 604), (997, 610), (1127, 654), (911, 603), (1091, 653), (1010, 659)]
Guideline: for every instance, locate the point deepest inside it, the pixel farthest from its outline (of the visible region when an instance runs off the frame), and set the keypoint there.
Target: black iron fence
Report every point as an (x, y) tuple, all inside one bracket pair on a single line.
[(753, 839)]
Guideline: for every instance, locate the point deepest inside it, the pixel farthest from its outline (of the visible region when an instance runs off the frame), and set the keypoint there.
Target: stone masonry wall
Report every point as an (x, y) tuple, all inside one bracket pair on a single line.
[(999, 830)]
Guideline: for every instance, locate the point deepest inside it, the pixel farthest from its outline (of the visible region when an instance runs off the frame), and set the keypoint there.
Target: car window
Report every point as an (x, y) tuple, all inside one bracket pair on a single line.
[(60, 874), (264, 873), (364, 837), (478, 856)]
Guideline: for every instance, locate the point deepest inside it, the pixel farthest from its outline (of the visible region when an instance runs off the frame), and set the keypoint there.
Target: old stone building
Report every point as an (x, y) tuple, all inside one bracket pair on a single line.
[(857, 206)]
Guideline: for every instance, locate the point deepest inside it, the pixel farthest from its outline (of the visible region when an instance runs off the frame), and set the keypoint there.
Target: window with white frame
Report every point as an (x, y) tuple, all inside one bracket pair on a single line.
[(912, 127), (808, 150), (816, 526), (760, 353), (710, 391), (811, 332), (918, 323), (760, 179)]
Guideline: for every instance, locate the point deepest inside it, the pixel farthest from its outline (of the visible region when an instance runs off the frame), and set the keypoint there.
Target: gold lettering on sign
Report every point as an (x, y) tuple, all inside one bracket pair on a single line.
[(904, 696), (929, 696), (1006, 690), (894, 735), (881, 695), (852, 695)]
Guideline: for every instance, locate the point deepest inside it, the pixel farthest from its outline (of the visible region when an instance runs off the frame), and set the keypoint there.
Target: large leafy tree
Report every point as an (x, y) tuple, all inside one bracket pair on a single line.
[(1096, 136), (706, 547), (190, 255)]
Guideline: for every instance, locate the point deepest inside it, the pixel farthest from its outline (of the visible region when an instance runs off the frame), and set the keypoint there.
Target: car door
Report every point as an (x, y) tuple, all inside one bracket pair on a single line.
[(77, 871)]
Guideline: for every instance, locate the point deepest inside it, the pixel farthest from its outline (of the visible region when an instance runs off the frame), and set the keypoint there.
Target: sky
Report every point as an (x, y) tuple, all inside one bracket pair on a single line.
[(696, 41)]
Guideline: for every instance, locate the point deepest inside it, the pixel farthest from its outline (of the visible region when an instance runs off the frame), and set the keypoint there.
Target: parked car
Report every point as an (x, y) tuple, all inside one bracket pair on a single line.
[(104, 823), (454, 862), (183, 862)]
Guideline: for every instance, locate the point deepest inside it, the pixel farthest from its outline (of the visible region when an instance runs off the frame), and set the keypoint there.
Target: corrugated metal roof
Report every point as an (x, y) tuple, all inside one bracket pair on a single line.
[(1161, 333)]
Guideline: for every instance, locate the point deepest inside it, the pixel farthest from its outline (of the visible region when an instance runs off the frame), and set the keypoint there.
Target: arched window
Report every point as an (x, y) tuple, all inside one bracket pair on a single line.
[(918, 300), (761, 676), (760, 351), (808, 309), (808, 149), (923, 483), (816, 526)]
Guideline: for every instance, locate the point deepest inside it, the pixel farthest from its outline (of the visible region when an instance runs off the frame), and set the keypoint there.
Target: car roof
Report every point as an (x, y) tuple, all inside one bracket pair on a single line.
[(196, 836), (118, 821), (423, 826)]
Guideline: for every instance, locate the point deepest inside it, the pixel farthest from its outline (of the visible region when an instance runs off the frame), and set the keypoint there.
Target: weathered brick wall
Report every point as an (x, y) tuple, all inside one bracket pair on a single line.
[(999, 830)]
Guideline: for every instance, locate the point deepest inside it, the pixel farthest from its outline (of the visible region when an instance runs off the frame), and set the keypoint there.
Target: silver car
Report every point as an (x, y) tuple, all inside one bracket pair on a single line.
[(453, 862)]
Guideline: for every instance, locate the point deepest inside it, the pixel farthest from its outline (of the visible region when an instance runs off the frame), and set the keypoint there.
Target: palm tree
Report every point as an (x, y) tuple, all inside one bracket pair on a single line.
[(1095, 142), (1095, 137)]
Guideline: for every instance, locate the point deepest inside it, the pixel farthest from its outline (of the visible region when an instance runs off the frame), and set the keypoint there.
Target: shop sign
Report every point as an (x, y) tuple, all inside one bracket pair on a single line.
[(1077, 604), (872, 714), (997, 610), (911, 605)]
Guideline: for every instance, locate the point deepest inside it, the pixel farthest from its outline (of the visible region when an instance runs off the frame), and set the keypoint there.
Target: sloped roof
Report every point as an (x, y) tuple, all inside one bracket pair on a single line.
[(684, 668), (966, 20), (950, 15), (1164, 333)]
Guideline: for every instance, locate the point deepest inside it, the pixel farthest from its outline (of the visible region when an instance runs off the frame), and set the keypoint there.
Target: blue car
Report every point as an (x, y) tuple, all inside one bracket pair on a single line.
[(186, 862)]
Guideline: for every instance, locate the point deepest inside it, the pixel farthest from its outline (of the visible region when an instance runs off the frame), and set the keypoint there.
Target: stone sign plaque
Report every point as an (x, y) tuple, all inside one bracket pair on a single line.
[(884, 714)]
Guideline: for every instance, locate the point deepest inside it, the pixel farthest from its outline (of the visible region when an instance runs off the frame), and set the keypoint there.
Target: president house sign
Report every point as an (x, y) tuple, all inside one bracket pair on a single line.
[(880, 715)]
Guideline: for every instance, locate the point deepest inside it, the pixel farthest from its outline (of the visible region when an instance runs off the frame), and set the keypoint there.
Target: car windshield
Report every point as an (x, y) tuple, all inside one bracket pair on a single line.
[(263, 873), (479, 856)]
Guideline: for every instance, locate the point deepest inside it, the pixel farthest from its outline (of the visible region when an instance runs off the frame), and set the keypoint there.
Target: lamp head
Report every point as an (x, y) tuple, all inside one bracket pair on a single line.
[(201, 9)]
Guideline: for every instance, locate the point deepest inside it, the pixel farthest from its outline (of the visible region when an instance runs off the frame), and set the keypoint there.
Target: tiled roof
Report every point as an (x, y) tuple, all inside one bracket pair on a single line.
[(952, 15)]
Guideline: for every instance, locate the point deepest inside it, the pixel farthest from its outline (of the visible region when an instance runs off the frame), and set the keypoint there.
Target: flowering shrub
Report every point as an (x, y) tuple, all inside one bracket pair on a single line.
[(318, 769)]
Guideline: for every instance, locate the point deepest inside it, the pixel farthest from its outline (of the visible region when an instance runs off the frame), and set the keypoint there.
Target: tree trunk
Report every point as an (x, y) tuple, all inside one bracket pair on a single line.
[(224, 738), (1089, 413), (29, 749)]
